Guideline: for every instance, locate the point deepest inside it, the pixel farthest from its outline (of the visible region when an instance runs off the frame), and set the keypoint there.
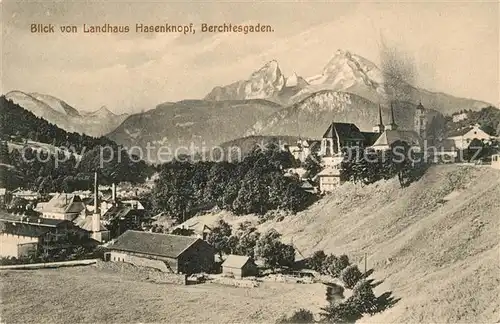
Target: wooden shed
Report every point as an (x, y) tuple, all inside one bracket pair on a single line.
[(239, 266)]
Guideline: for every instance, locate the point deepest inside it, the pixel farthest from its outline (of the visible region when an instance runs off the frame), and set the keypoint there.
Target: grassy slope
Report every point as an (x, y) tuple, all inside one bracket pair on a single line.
[(92, 295), (441, 259)]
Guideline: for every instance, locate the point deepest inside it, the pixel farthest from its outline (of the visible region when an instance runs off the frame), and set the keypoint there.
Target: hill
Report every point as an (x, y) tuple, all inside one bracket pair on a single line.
[(197, 125), (58, 112), (440, 257), (312, 116), (345, 72)]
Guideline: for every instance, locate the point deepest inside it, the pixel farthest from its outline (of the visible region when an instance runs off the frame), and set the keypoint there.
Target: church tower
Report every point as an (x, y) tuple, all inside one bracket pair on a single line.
[(380, 127), (392, 125), (421, 121)]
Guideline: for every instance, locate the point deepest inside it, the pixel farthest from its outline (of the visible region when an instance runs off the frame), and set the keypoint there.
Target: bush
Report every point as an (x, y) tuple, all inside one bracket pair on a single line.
[(341, 313), (350, 276), (334, 265), (364, 298), (300, 316), (317, 261)]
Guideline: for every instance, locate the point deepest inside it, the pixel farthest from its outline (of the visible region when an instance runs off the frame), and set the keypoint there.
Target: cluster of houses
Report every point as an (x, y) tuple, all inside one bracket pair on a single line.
[(69, 220), (345, 135)]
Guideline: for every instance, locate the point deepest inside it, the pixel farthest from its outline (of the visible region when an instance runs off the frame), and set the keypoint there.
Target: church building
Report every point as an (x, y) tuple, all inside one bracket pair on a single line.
[(391, 134)]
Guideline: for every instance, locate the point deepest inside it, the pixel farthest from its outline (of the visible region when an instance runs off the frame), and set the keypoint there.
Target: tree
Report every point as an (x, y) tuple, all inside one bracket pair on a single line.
[(317, 261), (350, 276), (273, 252), (335, 265), (312, 164), (345, 312), (364, 298), (219, 237)]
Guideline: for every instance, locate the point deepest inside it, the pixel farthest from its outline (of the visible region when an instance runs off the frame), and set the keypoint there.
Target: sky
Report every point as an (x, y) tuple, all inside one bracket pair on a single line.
[(454, 46)]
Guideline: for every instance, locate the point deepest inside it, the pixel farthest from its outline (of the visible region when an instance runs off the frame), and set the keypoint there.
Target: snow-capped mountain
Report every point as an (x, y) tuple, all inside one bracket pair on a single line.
[(354, 74), (296, 81), (263, 83), (63, 115)]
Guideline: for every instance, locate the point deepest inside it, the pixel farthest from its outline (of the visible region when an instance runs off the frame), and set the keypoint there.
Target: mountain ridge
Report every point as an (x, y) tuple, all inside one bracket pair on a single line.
[(60, 113), (353, 73)]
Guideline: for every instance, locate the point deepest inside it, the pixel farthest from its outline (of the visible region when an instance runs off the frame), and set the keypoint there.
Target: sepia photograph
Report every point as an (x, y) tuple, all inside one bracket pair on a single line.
[(237, 161)]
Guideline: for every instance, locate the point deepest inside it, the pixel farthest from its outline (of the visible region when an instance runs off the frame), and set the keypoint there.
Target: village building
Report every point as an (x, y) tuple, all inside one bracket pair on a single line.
[(21, 235), (239, 266), (3, 197), (495, 161), (120, 218), (168, 253), (391, 134), (457, 117), (329, 178), (340, 135), (303, 148), (464, 136), (26, 194), (62, 206)]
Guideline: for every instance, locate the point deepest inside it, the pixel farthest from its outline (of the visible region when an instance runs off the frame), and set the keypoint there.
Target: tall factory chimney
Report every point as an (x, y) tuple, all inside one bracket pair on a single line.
[(113, 192), (96, 217)]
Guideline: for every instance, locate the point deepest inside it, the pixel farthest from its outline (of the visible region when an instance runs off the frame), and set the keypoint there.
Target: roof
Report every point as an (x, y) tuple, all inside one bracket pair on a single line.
[(345, 130), (236, 261), (86, 224), (389, 137), (329, 172), (370, 137), (465, 130), (25, 230), (64, 203), (38, 221), (165, 245), (119, 211)]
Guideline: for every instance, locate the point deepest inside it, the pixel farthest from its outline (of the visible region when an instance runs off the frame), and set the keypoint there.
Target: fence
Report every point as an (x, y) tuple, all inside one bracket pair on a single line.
[(48, 265)]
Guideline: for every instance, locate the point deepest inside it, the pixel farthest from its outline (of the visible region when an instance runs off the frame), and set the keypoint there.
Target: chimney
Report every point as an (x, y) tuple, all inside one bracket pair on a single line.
[(96, 193), (113, 192), (96, 222)]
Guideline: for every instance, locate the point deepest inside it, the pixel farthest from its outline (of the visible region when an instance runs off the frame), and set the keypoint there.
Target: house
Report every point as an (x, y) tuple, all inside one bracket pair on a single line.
[(3, 197), (26, 194), (303, 148), (495, 161), (120, 218), (92, 224), (307, 186), (63, 206), (459, 117), (330, 178), (133, 203), (464, 136), (168, 253), (21, 235), (239, 266)]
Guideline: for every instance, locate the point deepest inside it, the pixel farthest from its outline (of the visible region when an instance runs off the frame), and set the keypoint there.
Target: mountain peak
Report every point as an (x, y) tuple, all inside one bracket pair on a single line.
[(295, 80)]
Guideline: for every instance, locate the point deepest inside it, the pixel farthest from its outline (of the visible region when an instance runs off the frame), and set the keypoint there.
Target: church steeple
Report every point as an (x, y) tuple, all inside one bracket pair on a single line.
[(392, 125), (380, 127)]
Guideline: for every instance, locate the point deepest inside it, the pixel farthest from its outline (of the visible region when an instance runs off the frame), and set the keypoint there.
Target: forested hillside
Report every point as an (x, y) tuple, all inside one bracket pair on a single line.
[(65, 170)]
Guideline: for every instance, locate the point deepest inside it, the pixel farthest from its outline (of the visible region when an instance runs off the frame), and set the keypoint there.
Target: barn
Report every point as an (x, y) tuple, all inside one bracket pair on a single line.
[(168, 253), (239, 266)]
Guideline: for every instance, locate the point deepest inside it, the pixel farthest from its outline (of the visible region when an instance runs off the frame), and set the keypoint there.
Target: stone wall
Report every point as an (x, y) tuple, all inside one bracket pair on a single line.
[(139, 261)]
